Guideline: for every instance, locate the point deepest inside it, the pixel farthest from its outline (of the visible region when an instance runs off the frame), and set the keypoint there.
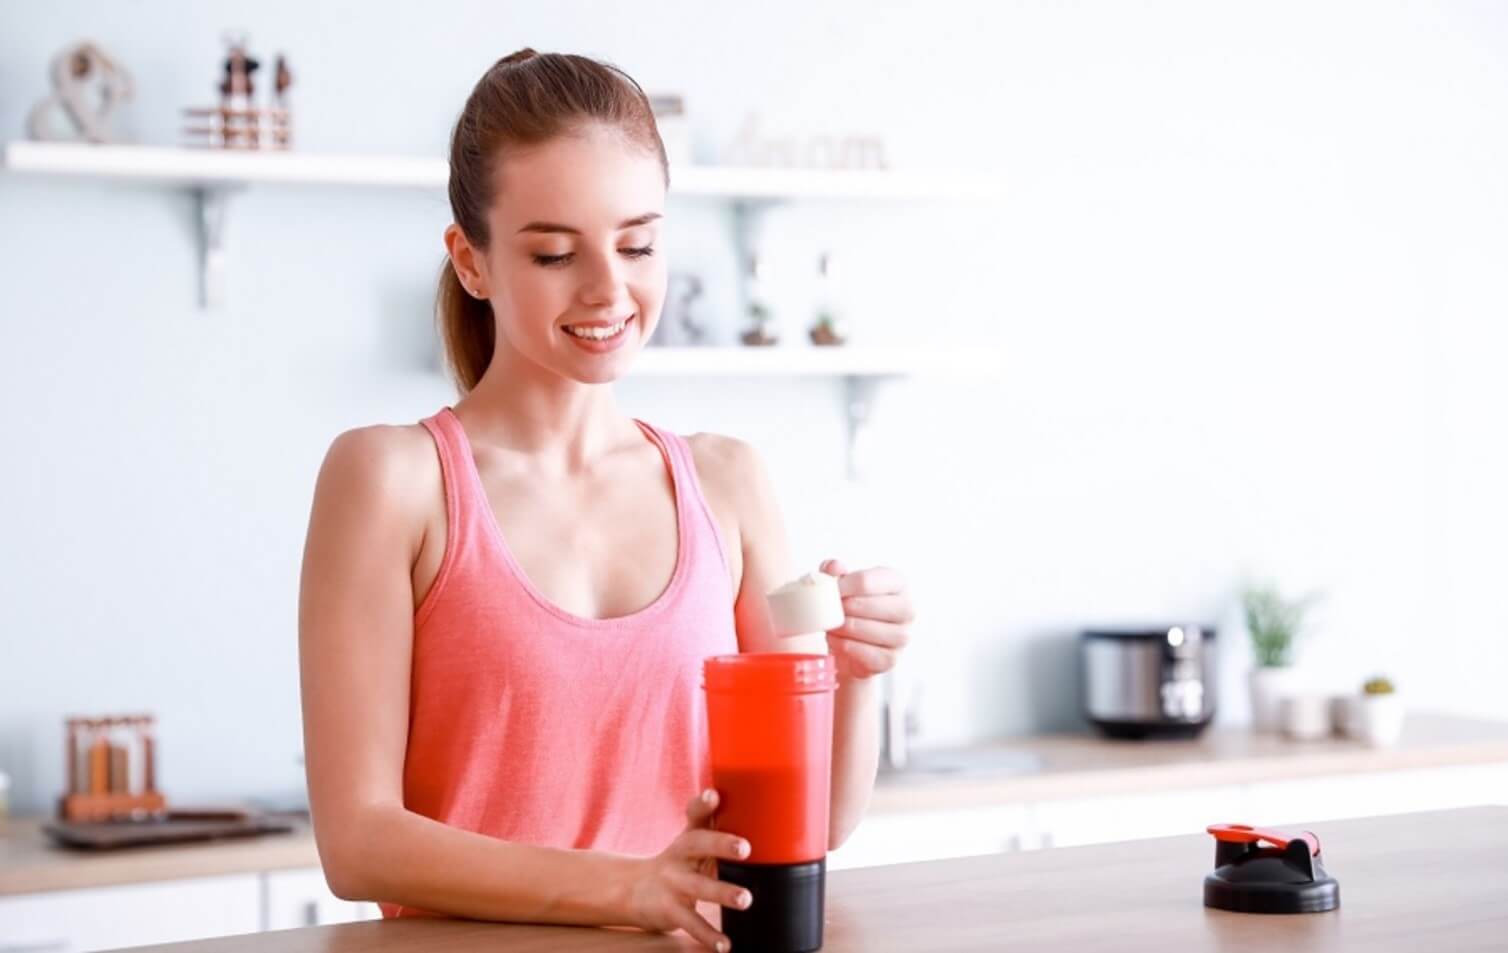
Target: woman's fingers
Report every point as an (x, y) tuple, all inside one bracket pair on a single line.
[(701, 808), (872, 582), (712, 890), (700, 842), (699, 929), (885, 608), (884, 634), (870, 658)]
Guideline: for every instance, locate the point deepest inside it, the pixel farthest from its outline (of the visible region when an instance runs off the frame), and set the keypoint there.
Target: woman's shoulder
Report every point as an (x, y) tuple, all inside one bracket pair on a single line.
[(717, 448), (392, 465), (383, 450), (720, 458), (733, 470)]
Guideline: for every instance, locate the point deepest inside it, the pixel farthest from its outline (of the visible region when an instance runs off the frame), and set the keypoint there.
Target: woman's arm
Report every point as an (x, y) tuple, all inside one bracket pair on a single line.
[(766, 565), (355, 638)]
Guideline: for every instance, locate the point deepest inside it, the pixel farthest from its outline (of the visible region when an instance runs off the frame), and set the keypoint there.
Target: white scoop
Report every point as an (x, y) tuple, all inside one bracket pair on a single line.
[(806, 605)]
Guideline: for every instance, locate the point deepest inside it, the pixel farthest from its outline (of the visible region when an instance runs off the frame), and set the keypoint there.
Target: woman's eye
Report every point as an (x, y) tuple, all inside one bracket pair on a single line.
[(643, 251)]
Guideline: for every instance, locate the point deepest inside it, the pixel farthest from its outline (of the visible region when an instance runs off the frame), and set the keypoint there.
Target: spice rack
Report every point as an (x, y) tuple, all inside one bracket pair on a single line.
[(101, 783)]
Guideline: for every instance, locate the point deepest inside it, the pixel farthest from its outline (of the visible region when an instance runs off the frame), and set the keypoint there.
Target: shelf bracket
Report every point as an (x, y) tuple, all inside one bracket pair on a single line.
[(211, 203)]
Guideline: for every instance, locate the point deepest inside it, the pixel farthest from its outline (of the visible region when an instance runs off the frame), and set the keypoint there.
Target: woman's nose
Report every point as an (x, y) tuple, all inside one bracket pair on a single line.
[(602, 283)]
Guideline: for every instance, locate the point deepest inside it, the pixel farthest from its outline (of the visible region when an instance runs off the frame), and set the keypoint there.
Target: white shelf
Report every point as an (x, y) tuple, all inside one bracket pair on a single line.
[(214, 175), (776, 361), (209, 168), (776, 183), (862, 370), (200, 168)]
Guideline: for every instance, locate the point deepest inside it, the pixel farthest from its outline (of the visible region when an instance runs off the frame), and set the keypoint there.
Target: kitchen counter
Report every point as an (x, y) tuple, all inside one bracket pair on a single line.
[(1061, 766), (1432, 881), (31, 863)]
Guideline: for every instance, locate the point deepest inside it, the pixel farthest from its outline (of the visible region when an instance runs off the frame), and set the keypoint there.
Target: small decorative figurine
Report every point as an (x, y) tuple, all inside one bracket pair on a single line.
[(679, 326), (87, 86)]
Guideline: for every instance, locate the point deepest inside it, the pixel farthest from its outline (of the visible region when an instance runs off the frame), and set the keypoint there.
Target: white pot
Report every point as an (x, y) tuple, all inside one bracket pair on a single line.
[(1378, 719), (1343, 714), (1269, 686), (1306, 717)]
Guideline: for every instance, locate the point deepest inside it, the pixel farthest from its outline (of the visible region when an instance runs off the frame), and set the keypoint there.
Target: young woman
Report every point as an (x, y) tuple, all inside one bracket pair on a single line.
[(505, 607)]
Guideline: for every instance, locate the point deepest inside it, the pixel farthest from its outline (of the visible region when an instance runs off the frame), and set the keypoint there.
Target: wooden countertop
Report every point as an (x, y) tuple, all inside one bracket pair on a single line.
[(1413, 882), (1069, 766), (30, 862), (1087, 765)]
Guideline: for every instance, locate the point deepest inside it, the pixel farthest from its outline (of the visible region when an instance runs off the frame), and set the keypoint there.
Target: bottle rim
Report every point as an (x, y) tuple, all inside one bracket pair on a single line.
[(785, 672)]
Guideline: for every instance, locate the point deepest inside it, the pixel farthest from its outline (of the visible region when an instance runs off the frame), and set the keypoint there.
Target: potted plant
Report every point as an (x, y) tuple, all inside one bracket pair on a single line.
[(827, 329), (1379, 713), (825, 332), (761, 333), (1274, 624)]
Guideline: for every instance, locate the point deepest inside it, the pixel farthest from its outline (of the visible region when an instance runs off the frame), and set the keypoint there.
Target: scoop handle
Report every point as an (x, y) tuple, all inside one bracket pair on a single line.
[(1246, 834)]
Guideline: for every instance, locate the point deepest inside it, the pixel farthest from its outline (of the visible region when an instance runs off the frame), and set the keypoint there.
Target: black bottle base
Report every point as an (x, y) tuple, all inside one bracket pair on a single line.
[(786, 915)]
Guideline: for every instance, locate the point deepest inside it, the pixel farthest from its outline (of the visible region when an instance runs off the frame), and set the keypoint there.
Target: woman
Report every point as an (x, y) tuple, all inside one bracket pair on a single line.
[(502, 710)]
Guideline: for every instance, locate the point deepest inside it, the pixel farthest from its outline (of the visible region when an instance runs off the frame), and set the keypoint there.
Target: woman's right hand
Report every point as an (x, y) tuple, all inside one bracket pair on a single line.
[(666, 888)]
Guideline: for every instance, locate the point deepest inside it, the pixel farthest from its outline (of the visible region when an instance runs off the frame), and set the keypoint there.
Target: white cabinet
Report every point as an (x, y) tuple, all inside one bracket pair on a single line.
[(931, 835), (1095, 820), (301, 898), (73, 921), (898, 838), (1279, 803)]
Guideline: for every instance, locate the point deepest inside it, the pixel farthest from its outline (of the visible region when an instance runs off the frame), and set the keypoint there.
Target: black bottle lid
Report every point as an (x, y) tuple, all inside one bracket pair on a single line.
[(1285, 876)]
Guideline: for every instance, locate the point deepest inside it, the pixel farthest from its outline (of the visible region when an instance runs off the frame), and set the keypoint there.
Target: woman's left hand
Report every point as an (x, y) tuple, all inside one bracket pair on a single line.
[(877, 617)]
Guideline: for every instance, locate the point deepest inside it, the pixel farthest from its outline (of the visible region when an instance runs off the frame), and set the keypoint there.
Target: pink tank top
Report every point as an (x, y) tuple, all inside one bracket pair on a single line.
[(532, 724)]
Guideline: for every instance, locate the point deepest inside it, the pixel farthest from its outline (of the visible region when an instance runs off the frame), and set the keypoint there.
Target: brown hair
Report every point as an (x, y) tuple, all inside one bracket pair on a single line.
[(525, 99)]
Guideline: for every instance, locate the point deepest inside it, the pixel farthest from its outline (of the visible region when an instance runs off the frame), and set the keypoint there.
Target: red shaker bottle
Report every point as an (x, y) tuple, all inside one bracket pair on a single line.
[(770, 722)]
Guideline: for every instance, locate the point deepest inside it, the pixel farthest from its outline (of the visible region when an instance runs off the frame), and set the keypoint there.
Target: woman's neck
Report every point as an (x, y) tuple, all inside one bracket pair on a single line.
[(565, 426)]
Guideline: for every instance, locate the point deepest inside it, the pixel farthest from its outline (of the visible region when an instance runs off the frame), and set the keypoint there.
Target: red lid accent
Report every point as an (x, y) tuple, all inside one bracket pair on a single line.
[(1246, 834), (785, 672)]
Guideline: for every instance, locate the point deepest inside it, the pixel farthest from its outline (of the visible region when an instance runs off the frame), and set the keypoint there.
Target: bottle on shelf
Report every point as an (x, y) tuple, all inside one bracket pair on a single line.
[(828, 327), (762, 332)]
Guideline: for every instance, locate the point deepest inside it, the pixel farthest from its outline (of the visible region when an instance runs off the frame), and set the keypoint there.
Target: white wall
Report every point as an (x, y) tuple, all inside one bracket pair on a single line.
[(1247, 288)]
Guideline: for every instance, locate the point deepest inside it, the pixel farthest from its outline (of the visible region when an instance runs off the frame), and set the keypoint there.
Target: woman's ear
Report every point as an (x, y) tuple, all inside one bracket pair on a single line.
[(468, 264)]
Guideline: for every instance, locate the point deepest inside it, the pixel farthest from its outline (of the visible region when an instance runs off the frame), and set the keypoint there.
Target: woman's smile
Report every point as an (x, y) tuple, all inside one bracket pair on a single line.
[(599, 336)]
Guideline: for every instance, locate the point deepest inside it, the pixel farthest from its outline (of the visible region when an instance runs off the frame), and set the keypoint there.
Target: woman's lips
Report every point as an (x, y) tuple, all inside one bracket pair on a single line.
[(598, 346)]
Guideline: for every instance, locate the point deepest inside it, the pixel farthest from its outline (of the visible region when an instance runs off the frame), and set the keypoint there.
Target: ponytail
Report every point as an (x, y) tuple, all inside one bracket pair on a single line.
[(466, 329)]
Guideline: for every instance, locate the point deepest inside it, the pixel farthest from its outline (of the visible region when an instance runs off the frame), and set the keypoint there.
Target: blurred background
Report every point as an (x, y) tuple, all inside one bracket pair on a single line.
[(1219, 303)]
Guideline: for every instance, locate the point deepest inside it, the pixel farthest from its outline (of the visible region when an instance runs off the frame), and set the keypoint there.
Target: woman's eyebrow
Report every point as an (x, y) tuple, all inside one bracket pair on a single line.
[(644, 219)]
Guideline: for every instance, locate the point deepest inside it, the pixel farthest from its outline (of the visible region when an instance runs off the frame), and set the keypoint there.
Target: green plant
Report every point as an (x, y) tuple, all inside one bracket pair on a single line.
[(1377, 685), (1274, 623)]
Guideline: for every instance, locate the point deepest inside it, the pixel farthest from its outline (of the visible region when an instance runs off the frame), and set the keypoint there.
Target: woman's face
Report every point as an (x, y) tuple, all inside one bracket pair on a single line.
[(575, 269)]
